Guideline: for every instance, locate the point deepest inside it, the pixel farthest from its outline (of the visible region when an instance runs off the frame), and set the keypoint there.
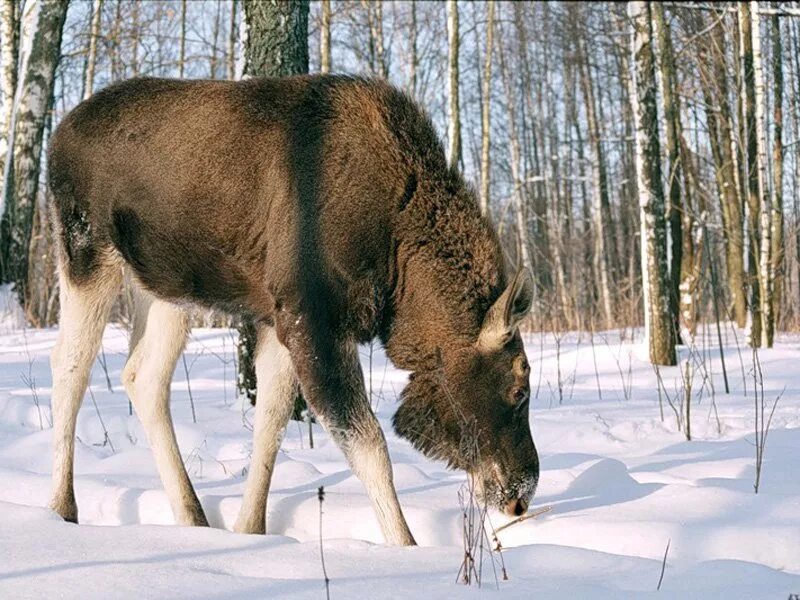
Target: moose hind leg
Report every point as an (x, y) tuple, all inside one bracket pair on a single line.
[(147, 377), (84, 312), (274, 403)]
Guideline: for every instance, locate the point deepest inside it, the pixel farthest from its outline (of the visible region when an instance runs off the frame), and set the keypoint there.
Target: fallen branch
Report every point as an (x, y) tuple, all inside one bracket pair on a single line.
[(525, 517)]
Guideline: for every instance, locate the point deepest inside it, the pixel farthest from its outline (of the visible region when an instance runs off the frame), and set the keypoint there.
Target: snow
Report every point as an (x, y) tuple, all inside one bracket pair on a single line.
[(622, 484)]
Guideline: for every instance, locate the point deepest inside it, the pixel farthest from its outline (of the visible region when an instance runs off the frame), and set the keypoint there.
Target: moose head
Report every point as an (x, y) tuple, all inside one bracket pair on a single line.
[(472, 411)]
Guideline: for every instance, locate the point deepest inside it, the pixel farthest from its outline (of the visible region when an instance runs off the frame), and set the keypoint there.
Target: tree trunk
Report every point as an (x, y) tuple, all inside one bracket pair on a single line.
[(214, 59), (485, 109), (518, 192), (231, 54), (182, 52), (91, 60), (454, 113), (603, 249), (413, 56), (43, 23), (777, 252), (658, 325), (325, 39), (719, 120), (750, 163), (275, 45), (9, 44), (676, 209)]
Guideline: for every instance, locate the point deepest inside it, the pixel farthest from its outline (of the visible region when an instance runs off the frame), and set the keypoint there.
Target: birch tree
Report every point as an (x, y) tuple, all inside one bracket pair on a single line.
[(413, 57), (719, 121), (454, 120), (518, 190), (485, 109), (325, 39), (91, 58), (42, 24), (231, 52), (777, 251), (674, 132), (604, 250), (751, 169), (182, 54), (658, 323), (9, 41)]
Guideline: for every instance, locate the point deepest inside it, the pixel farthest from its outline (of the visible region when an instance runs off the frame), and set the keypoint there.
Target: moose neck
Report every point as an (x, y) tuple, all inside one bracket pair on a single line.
[(450, 269)]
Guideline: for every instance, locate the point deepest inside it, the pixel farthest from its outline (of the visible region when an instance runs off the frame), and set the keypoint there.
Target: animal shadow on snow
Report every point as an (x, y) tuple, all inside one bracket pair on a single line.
[(604, 483), (781, 461)]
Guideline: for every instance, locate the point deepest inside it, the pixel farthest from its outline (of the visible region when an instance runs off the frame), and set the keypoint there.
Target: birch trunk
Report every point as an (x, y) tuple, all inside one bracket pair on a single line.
[(413, 56), (91, 60), (485, 109), (454, 114), (214, 59), (658, 326), (751, 170), (603, 251), (777, 251), (676, 208), (518, 193), (9, 42), (325, 39), (182, 52), (719, 120), (43, 22), (231, 54), (766, 275)]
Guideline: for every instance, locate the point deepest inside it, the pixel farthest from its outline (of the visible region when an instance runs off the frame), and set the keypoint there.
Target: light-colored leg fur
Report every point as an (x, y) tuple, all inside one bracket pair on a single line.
[(155, 349), (368, 455), (84, 312), (274, 403)]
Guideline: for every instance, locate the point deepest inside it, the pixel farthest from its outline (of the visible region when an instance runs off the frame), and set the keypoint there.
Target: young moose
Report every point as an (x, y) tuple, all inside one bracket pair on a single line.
[(323, 208)]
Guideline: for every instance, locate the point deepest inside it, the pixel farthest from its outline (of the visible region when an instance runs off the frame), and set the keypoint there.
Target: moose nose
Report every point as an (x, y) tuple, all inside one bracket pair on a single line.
[(516, 507)]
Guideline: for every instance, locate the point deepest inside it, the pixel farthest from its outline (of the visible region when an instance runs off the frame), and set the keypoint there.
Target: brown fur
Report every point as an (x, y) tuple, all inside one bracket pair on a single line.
[(323, 205)]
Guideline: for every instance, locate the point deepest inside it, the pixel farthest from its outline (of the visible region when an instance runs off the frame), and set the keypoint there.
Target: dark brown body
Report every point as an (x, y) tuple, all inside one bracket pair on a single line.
[(241, 195), (322, 206)]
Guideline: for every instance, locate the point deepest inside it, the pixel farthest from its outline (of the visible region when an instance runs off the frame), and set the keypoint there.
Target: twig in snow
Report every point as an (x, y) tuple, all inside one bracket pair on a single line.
[(106, 437), (189, 387), (104, 364), (531, 515), (663, 566), (321, 497)]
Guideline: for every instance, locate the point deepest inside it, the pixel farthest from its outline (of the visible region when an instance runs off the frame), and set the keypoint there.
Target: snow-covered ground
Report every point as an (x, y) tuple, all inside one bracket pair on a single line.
[(622, 484)]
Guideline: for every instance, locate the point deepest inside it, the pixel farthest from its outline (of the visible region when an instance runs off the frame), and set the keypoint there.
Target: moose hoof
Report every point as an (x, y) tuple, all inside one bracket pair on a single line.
[(193, 515), (66, 510)]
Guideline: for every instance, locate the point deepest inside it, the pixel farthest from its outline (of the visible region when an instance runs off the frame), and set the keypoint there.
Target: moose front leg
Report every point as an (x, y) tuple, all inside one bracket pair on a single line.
[(333, 384)]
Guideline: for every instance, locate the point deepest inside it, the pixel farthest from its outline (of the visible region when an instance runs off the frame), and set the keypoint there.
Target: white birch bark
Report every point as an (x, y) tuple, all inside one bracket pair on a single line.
[(42, 24), (485, 109), (325, 39), (91, 60), (518, 193), (8, 75), (182, 53), (658, 326), (766, 276), (413, 58), (231, 53), (454, 116)]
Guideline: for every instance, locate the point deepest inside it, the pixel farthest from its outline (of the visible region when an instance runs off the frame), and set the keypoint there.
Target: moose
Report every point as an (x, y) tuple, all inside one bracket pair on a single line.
[(322, 208)]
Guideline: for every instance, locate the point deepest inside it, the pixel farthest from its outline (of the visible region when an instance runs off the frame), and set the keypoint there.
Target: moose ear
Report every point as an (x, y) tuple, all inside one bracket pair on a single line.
[(505, 314)]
